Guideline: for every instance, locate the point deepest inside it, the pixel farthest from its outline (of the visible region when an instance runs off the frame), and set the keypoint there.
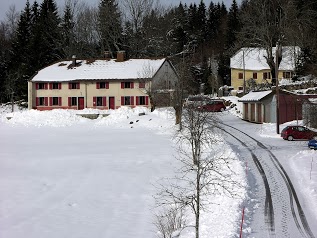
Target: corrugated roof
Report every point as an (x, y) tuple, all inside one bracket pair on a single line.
[(254, 96), (254, 58), (100, 69)]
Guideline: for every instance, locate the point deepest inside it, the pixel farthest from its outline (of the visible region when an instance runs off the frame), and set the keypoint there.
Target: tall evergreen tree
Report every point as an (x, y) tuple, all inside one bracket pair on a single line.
[(48, 34), (110, 26), (201, 22), (179, 28), (68, 35), (19, 67), (233, 25)]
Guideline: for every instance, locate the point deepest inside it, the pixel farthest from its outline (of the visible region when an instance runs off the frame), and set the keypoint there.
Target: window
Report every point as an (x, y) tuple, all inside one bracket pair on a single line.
[(127, 85), (142, 85), (255, 75), (41, 101), (240, 88), (100, 101), (74, 86), (127, 100), (142, 100), (240, 75), (266, 75), (287, 75), (55, 101), (41, 86), (102, 85), (55, 86)]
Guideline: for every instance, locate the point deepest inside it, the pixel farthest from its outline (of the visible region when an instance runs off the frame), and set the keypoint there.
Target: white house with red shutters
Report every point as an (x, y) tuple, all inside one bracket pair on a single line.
[(101, 84)]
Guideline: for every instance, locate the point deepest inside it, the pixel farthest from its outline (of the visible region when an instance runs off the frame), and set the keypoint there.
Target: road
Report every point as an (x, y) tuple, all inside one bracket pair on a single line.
[(275, 207)]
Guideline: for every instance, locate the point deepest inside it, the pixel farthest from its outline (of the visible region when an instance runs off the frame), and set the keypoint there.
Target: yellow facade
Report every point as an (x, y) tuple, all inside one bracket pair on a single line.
[(237, 77)]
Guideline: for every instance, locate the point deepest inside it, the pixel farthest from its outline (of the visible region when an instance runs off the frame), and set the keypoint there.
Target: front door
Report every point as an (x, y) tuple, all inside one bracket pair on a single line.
[(81, 103), (111, 103)]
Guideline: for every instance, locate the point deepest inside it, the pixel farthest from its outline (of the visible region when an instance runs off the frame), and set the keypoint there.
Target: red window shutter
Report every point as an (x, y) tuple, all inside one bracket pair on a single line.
[(60, 86), (132, 100), (122, 100), (59, 101), (97, 85), (137, 100), (94, 101), (69, 85), (107, 85), (37, 86), (69, 101), (37, 101), (122, 84), (78, 86), (51, 86), (51, 101), (104, 101), (147, 100), (132, 85), (46, 101), (46, 86)]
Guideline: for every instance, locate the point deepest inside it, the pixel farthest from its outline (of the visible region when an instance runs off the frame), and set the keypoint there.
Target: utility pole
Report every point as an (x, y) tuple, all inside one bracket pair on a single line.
[(243, 72), (277, 91)]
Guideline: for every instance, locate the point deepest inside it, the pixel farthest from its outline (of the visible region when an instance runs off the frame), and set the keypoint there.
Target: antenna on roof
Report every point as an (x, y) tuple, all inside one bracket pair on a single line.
[(74, 60)]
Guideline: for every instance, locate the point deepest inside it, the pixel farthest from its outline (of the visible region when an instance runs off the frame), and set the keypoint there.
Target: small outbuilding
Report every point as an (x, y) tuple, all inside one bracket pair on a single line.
[(259, 107)]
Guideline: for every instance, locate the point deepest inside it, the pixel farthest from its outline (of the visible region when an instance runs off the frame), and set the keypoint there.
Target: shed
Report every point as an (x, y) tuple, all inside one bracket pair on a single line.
[(260, 106)]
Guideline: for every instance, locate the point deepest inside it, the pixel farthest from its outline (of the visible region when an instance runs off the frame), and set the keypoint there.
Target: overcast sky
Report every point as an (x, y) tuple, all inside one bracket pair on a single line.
[(20, 4)]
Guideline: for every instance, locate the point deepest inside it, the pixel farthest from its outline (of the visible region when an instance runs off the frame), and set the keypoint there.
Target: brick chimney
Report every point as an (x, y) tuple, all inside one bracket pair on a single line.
[(120, 56)]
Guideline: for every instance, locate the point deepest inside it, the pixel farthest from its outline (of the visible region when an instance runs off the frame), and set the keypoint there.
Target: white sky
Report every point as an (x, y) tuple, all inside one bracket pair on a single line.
[(20, 4)]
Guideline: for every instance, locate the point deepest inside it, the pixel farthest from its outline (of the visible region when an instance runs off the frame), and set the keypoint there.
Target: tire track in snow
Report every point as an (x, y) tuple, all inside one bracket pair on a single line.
[(297, 213), (268, 207)]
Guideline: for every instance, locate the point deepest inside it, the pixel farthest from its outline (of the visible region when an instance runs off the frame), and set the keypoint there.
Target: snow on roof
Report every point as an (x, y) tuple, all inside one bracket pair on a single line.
[(100, 69), (254, 58), (254, 96)]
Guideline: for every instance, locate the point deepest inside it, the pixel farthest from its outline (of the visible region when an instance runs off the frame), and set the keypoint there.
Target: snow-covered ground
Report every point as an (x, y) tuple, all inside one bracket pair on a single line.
[(62, 175)]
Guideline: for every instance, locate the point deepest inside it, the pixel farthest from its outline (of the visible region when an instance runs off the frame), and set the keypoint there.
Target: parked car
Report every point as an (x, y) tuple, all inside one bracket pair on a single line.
[(196, 100), (298, 133), (312, 144), (213, 105)]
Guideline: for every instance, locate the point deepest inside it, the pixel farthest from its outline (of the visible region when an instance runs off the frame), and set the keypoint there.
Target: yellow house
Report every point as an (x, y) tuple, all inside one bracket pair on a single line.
[(250, 63), (101, 84)]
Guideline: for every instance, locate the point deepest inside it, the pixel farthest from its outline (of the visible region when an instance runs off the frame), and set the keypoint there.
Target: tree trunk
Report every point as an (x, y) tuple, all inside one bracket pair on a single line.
[(198, 200), (178, 115)]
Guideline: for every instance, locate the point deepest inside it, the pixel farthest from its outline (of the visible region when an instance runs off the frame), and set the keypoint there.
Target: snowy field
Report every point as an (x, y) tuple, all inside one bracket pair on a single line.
[(62, 175)]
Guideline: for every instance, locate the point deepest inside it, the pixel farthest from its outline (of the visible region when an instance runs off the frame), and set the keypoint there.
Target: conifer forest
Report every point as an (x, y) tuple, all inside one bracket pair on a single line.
[(203, 36)]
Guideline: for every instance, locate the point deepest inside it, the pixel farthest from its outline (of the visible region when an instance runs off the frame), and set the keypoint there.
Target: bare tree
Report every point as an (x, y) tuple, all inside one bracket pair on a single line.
[(137, 10), (86, 29), (204, 169), (169, 221), (12, 18)]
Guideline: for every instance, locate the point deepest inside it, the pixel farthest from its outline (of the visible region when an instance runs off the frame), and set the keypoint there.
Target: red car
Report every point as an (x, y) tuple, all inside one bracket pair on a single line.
[(213, 105), (298, 133)]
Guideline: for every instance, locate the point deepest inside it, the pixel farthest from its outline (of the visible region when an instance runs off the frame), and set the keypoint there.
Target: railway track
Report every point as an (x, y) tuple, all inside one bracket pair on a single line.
[(281, 202)]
